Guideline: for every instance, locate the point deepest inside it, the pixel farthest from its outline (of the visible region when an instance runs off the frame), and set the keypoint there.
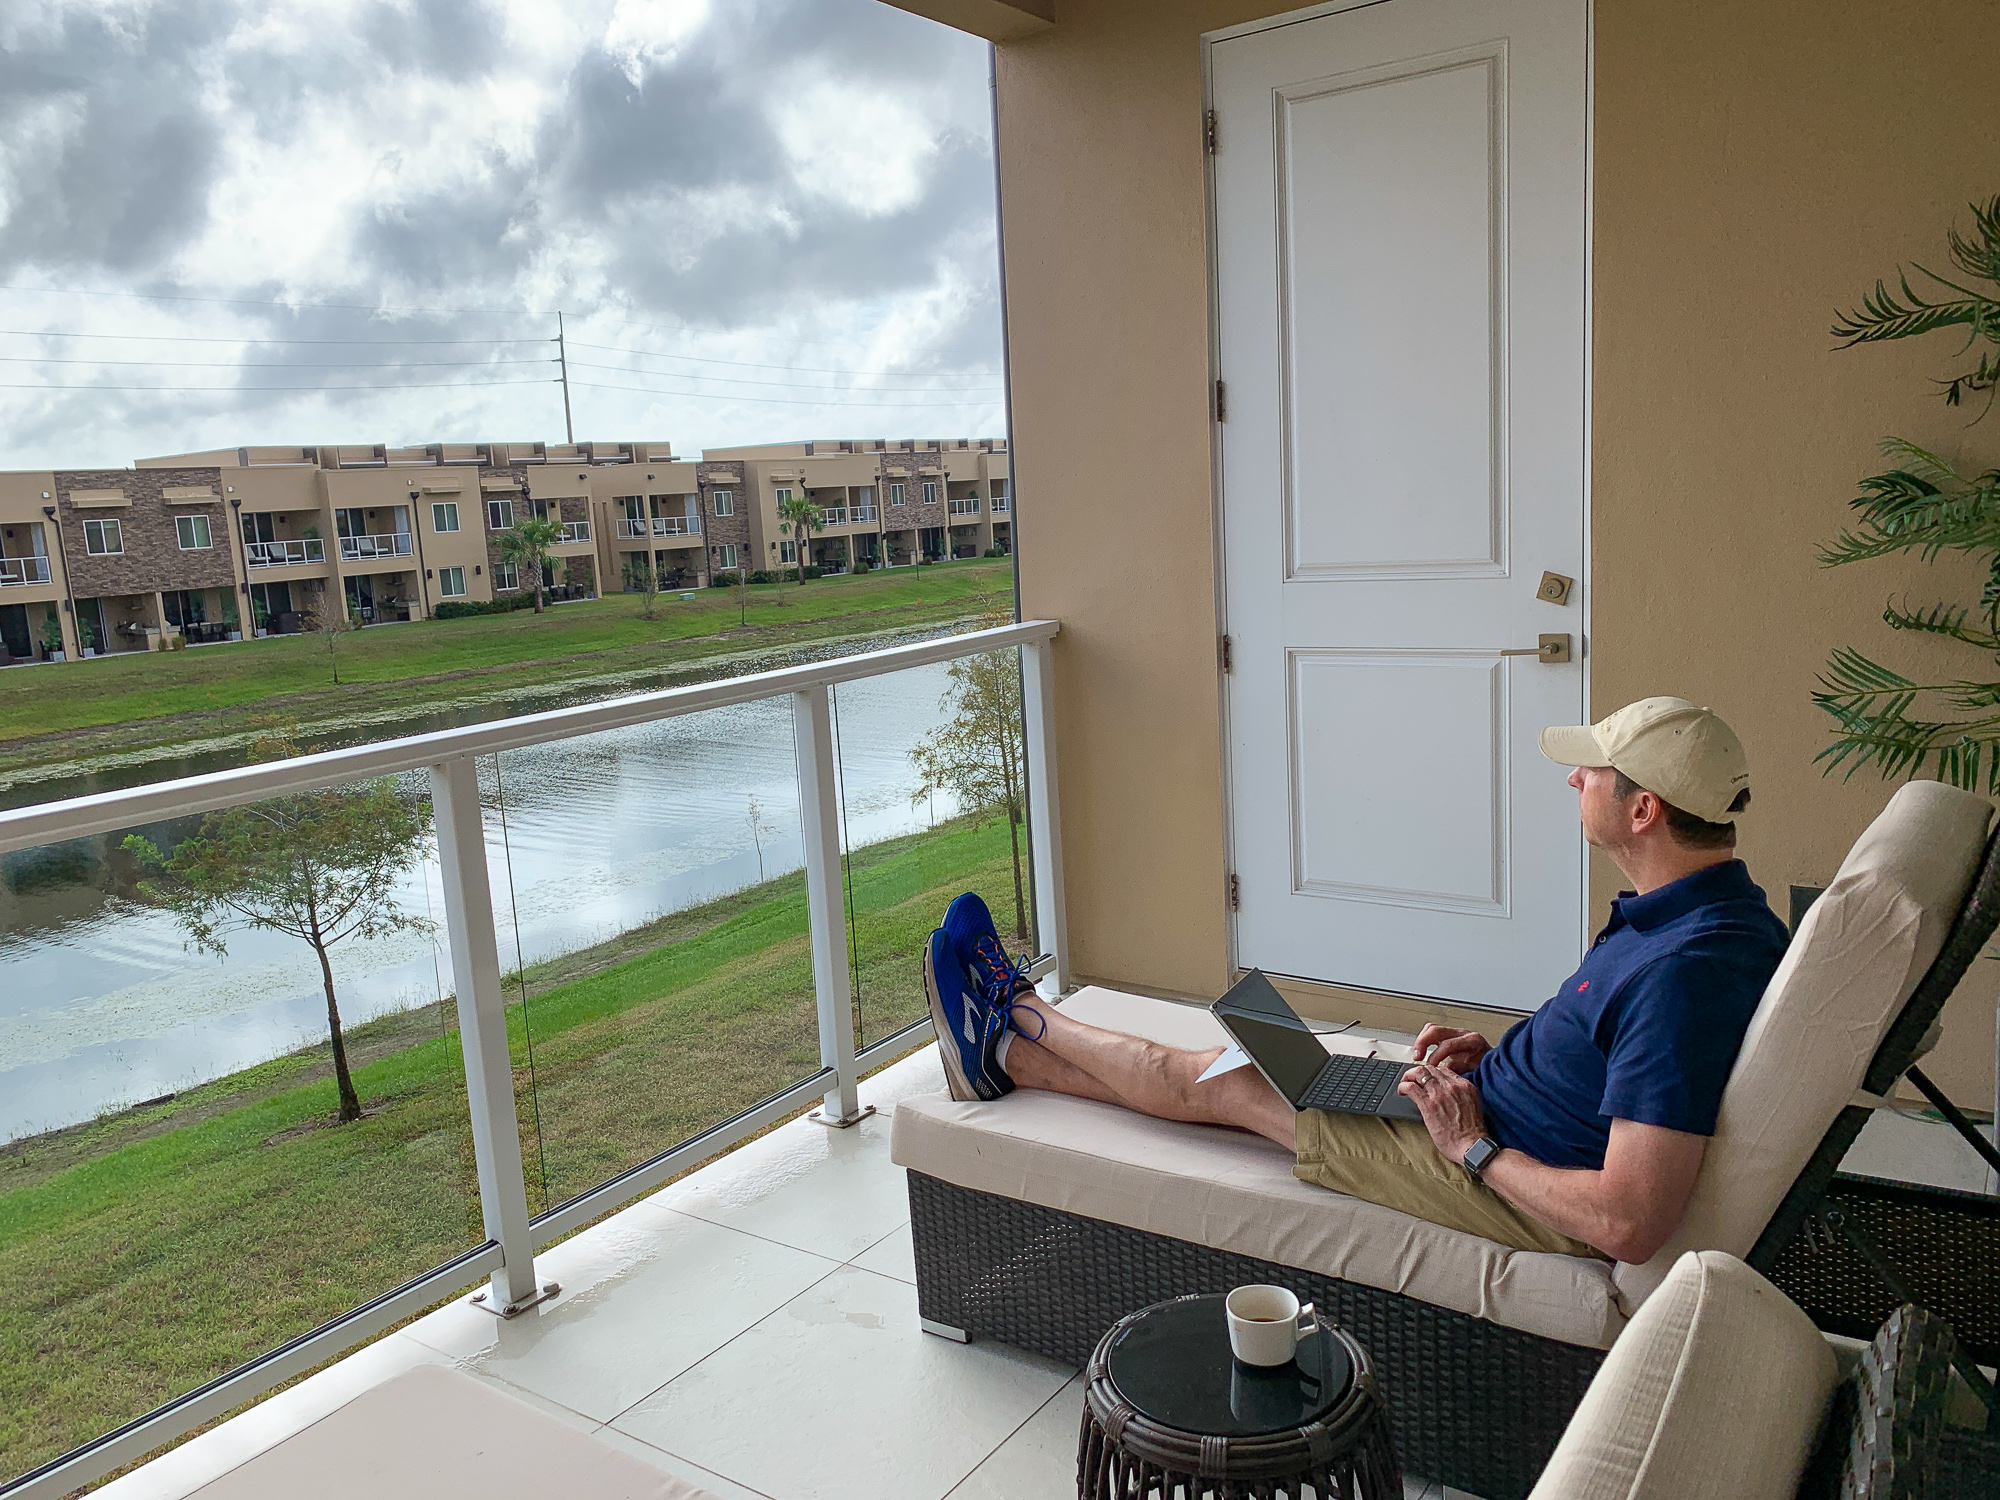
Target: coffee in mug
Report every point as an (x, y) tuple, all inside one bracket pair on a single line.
[(1264, 1324)]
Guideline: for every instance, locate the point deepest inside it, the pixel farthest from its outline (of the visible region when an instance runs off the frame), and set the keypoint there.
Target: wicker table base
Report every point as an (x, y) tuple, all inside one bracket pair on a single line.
[(1347, 1454)]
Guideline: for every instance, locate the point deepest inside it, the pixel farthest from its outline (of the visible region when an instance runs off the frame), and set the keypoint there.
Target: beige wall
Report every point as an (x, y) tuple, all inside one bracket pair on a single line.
[(1758, 164)]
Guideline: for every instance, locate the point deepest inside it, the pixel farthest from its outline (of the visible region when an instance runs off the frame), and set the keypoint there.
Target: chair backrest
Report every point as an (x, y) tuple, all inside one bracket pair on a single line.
[(1853, 965)]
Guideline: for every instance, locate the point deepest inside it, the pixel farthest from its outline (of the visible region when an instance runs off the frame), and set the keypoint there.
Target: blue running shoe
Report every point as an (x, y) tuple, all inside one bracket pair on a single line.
[(998, 978), (965, 1034)]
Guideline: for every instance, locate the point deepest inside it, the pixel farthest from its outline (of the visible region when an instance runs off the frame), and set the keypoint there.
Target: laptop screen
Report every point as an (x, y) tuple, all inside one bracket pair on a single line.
[(1290, 1055)]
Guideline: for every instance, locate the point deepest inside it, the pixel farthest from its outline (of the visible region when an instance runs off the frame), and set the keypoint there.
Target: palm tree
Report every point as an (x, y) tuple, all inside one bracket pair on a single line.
[(802, 518), (526, 544)]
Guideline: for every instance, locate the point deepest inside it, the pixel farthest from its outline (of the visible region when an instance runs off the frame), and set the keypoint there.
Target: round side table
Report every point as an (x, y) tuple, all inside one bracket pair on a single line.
[(1168, 1412)]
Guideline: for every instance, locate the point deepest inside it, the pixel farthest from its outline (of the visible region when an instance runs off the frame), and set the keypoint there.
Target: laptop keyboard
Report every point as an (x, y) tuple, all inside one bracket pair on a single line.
[(1353, 1085)]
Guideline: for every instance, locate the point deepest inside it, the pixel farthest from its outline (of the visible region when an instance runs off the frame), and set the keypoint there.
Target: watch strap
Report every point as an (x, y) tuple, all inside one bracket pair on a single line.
[(1479, 1153)]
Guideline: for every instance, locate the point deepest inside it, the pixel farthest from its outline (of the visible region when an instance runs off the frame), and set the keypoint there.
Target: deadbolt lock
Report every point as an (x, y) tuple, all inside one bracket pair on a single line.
[(1551, 650), (1555, 588)]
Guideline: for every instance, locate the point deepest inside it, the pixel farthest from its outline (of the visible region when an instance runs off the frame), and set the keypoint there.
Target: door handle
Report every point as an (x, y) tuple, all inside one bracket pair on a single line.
[(1553, 649)]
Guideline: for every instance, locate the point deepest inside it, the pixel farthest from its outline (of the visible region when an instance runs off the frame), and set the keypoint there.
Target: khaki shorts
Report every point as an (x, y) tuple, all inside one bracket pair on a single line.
[(1393, 1163)]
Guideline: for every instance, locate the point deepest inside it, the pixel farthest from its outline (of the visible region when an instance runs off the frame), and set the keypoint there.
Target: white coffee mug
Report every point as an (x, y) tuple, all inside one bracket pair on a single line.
[(1264, 1324)]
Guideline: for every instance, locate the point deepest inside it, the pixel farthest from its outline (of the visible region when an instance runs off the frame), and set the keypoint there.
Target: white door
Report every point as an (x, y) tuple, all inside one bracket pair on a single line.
[(1400, 197)]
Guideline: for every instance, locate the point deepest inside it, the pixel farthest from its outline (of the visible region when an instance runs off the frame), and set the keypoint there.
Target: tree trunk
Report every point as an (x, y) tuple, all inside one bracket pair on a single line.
[(1020, 904), (350, 1102)]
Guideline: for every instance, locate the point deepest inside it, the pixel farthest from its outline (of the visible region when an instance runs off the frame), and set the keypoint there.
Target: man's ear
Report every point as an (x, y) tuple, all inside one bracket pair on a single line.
[(1645, 809)]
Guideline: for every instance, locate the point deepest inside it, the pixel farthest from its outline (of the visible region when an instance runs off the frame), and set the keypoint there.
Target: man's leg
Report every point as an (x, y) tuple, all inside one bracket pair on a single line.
[(1071, 1057)]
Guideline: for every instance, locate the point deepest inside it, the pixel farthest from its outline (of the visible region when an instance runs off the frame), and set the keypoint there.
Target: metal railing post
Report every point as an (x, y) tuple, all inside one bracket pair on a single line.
[(1038, 710), (819, 828), (482, 1033)]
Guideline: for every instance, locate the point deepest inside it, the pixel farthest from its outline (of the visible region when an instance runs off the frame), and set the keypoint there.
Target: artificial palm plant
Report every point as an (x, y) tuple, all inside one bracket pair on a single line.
[(1927, 505)]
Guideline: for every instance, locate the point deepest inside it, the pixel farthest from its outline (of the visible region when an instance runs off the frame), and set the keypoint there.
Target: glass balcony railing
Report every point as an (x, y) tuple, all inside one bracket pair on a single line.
[(833, 515), (284, 554), (862, 513), (23, 570), (629, 527), (677, 526), (969, 506), (386, 544), (575, 531), (998, 504), (606, 943)]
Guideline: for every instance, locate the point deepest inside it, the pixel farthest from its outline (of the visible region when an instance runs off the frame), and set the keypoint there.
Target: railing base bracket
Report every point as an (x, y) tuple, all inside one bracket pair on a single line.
[(832, 1122), (483, 1300)]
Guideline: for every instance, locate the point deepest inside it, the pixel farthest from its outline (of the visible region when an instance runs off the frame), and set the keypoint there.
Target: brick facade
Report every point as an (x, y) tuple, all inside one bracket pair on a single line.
[(152, 560), (730, 529)]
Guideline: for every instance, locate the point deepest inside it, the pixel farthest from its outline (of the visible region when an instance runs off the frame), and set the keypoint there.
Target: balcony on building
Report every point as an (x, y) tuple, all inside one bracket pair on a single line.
[(281, 539), (374, 535)]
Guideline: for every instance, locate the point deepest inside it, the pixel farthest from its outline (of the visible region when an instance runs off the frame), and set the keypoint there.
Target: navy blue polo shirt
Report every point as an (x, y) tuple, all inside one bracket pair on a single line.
[(1646, 1030)]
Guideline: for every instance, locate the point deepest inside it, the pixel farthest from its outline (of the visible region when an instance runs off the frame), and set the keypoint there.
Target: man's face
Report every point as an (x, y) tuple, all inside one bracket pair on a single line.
[(1602, 814)]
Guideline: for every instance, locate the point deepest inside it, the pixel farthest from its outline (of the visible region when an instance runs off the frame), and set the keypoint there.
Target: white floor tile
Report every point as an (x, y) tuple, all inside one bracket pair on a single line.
[(210, 1455), (829, 1192), (1039, 1459), (1916, 1147), (680, 1468), (1446, 1492), (684, 1288), (894, 1256), (839, 1394), (1419, 1489)]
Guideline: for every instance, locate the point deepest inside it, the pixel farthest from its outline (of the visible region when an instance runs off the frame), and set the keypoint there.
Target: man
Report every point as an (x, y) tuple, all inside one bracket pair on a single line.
[(1582, 1131)]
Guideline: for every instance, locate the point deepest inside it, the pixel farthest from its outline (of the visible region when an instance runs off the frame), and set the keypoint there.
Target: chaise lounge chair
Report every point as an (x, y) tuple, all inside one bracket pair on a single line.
[(1039, 1220)]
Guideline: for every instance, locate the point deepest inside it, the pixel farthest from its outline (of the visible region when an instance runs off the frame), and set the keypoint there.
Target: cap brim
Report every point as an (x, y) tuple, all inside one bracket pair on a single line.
[(1573, 745)]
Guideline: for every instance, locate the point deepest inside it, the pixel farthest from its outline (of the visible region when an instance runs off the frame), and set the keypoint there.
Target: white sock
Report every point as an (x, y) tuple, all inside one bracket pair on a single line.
[(1000, 1052)]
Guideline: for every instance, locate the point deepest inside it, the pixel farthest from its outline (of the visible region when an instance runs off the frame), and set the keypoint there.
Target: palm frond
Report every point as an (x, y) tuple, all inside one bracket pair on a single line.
[(1942, 619), (1980, 257), (1884, 315)]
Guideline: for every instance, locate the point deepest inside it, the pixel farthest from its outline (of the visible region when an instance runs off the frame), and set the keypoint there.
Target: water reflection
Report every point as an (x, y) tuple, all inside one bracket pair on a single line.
[(102, 1003)]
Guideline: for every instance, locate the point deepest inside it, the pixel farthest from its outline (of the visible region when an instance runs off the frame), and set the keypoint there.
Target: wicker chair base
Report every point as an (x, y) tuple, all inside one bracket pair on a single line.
[(1473, 1405)]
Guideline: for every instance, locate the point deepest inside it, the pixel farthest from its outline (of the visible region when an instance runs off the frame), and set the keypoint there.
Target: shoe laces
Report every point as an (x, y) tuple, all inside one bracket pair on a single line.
[(1003, 979)]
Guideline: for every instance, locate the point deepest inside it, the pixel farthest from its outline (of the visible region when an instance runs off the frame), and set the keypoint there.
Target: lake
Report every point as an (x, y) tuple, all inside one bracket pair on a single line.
[(102, 1003)]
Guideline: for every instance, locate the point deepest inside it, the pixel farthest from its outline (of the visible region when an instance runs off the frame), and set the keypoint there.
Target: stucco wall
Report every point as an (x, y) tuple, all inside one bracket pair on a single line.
[(1758, 164)]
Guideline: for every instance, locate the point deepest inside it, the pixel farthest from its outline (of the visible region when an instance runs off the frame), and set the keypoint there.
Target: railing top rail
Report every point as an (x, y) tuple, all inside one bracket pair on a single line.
[(107, 812)]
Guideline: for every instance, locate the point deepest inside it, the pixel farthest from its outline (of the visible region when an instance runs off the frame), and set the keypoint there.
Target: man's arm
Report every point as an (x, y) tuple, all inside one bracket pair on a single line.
[(1628, 1209)]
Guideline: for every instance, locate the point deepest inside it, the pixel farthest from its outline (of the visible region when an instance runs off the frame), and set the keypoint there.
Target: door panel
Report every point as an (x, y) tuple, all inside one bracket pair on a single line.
[(1400, 200)]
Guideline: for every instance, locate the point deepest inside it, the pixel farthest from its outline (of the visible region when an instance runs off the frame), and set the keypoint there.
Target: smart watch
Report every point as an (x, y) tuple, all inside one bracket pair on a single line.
[(1479, 1153)]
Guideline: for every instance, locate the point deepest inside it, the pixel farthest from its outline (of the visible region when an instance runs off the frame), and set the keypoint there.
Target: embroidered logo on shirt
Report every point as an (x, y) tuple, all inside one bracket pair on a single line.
[(1582, 987)]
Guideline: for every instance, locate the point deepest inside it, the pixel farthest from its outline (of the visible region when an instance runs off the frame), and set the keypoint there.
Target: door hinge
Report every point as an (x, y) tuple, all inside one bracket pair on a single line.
[(1208, 131), (1228, 660), (1221, 403), (1235, 897)]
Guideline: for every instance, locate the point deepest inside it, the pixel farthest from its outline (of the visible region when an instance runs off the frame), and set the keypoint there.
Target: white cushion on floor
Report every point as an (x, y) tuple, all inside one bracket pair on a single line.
[(434, 1433), (1716, 1389), (1856, 958), (1234, 1191)]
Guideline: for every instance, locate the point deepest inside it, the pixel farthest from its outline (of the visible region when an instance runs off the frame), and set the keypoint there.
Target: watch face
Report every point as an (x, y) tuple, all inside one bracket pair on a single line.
[(1478, 1154)]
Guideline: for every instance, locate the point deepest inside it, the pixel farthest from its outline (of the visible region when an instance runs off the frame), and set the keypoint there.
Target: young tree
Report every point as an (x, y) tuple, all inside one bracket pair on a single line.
[(649, 586), (526, 544), (802, 518), (978, 754), (318, 867), (758, 828), (328, 618)]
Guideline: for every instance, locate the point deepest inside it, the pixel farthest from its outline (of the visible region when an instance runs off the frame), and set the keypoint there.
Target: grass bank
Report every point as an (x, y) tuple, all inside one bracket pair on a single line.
[(64, 711), (148, 1251)]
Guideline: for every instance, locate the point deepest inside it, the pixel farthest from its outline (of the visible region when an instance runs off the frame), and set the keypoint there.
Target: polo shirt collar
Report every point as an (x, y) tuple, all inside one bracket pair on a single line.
[(1728, 881)]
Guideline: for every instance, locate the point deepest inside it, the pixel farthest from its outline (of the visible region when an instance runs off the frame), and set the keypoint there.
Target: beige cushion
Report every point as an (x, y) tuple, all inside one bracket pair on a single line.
[(1234, 1191), (1856, 958), (434, 1433), (1715, 1389)]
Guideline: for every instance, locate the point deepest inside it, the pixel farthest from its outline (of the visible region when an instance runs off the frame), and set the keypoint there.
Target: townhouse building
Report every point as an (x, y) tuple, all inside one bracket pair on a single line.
[(194, 548)]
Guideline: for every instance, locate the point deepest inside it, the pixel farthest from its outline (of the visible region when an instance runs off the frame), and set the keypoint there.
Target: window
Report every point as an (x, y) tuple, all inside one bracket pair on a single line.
[(506, 577), (930, 492), (444, 515), (788, 552), (725, 502), (500, 515), (895, 494), (451, 582), (633, 506), (103, 538), (725, 555), (193, 532), (784, 498)]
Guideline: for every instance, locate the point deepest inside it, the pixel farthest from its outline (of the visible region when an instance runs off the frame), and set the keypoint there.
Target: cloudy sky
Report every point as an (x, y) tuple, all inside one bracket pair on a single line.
[(228, 222)]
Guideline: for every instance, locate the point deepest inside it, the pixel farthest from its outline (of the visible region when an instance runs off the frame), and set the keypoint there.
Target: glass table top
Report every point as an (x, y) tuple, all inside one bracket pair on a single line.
[(1175, 1366)]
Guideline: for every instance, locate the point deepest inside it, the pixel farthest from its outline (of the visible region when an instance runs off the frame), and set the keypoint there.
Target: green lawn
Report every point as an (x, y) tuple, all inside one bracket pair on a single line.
[(148, 1251), (424, 662)]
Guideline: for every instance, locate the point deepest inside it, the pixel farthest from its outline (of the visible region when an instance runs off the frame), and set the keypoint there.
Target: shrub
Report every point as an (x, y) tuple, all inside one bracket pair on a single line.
[(724, 578), (812, 570), (459, 609), (862, 565), (763, 575)]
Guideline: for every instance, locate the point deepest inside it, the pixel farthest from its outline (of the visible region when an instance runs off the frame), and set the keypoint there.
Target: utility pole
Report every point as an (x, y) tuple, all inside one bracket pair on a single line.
[(562, 360)]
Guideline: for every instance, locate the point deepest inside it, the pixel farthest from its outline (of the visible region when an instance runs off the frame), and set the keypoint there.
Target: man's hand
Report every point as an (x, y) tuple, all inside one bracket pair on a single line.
[(1459, 1051), (1450, 1107)]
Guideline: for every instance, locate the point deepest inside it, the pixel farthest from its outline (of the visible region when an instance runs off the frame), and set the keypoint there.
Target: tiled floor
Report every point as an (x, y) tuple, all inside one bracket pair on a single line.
[(781, 1279)]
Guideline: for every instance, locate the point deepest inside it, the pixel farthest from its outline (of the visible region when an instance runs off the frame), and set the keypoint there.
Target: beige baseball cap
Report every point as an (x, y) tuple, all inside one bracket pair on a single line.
[(1673, 748)]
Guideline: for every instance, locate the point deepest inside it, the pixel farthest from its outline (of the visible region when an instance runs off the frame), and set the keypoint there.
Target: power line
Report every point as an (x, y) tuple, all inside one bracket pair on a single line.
[(640, 390), (425, 312), (251, 390), (790, 385), (802, 369), (189, 338), (303, 364)]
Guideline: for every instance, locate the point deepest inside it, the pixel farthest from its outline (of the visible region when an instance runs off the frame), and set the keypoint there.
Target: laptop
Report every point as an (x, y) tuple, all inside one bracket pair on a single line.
[(1297, 1064)]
